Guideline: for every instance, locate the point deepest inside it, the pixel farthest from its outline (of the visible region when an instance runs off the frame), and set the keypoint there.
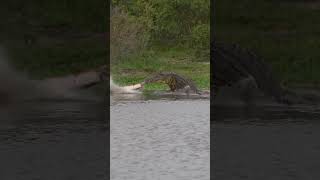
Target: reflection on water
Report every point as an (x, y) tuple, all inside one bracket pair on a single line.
[(160, 139), (266, 142)]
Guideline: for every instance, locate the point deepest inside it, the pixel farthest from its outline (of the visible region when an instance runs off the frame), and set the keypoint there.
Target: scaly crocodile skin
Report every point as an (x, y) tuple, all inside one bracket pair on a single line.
[(174, 81)]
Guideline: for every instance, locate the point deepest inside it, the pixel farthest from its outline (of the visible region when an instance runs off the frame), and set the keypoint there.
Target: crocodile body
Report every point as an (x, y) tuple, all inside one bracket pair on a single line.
[(101, 76), (174, 81), (232, 64)]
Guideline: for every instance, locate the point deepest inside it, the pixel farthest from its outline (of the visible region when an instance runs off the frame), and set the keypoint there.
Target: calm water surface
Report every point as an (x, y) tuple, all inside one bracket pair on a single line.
[(160, 139), (164, 138), (266, 142), (54, 139)]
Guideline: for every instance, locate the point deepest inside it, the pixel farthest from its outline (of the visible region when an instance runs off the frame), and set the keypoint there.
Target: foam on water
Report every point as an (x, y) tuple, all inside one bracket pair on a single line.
[(114, 88)]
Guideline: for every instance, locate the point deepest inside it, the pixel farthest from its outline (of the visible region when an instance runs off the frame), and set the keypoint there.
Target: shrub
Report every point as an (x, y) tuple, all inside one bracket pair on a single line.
[(200, 41), (127, 35)]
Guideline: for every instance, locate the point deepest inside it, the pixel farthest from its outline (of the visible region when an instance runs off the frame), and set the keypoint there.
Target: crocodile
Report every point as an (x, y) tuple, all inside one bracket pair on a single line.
[(174, 81), (232, 64), (101, 76)]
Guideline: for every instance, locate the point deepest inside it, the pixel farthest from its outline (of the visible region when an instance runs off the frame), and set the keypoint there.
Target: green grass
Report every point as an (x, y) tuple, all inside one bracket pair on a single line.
[(286, 34), (135, 69)]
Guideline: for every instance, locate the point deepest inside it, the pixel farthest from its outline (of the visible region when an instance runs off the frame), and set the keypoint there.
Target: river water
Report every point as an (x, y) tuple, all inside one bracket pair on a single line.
[(265, 142), (160, 139), (50, 130), (156, 137), (54, 139)]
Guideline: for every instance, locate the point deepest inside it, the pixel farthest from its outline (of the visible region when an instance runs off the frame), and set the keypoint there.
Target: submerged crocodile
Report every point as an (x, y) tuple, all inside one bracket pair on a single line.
[(232, 64), (174, 81), (101, 76)]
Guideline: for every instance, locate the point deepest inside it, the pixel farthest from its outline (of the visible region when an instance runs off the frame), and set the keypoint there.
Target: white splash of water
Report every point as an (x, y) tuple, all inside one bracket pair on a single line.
[(17, 90), (15, 85), (116, 89)]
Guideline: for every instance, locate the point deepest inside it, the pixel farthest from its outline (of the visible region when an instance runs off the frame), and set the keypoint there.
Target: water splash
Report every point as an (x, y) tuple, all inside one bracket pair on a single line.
[(13, 84), (20, 96), (116, 89), (17, 86)]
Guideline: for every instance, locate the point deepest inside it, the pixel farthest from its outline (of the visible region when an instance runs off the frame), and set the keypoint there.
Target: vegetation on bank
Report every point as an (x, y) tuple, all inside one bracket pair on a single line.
[(51, 38), (285, 33), (135, 69), (48, 38), (161, 35)]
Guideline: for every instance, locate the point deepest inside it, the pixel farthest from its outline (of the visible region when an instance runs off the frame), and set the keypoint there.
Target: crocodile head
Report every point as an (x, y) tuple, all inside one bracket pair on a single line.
[(102, 72)]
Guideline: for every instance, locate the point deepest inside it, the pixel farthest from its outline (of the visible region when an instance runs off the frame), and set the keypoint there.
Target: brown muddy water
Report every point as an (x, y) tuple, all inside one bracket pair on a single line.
[(159, 137), (264, 141)]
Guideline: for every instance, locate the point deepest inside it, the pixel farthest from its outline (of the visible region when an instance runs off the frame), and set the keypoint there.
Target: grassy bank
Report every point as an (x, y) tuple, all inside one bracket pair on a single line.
[(135, 69), (285, 33)]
